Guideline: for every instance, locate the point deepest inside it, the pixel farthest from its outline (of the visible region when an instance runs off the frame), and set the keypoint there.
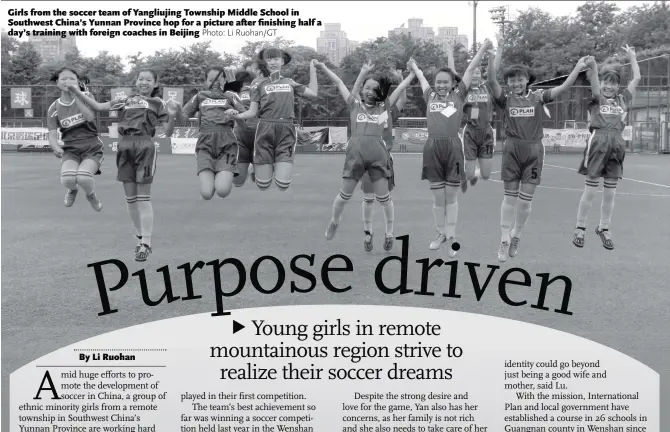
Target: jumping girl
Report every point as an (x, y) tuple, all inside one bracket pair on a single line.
[(272, 101), (366, 183), (245, 130), (523, 151), (606, 149), (478, 142), (82, 151), (216, 149), (366, 150), (139, 116), (443, 161)]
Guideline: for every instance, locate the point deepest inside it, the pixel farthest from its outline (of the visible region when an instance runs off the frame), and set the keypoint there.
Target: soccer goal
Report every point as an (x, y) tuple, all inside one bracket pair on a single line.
[(409, 134)]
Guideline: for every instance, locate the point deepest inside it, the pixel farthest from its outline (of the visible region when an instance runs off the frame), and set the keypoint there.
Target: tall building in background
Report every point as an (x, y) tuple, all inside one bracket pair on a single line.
[(444, 35), (414, 29), (53, 48), (334, 44)]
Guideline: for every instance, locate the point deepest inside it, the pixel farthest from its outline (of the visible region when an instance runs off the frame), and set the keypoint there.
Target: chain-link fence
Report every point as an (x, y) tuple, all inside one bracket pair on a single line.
[(648, 117)]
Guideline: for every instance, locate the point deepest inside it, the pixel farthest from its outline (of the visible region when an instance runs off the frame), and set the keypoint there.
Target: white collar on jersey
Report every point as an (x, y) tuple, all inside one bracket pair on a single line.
[(68, 104)]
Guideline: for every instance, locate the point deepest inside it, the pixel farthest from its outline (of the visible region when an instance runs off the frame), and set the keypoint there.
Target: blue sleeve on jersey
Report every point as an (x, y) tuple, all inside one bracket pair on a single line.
[(461, 90), (427, 94), (351, 101), (117, 104), (52, 117)]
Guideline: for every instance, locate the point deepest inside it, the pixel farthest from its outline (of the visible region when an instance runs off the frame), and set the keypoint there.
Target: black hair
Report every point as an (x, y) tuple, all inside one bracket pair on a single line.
[(456, 78), (260, 63), (519, 69), (611, 68), (83, 80), (153, 73), (385, 83), (233, 86), (243, 76), (219, 71)]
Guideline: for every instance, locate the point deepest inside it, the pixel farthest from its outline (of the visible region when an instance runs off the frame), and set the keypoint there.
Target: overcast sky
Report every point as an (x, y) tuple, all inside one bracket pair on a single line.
[(360, 20)]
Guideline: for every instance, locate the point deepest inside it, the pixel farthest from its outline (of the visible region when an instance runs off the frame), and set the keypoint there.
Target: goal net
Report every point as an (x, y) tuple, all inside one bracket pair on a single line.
[(410, 134)]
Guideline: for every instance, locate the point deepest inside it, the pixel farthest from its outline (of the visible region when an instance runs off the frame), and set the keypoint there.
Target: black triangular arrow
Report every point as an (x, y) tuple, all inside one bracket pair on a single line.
[(237, 326)]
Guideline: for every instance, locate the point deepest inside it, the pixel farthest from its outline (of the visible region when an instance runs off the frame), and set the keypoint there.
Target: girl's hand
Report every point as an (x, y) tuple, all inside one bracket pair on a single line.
[(231, 112), (317, 64), (629, 50), (173, 107), (449, 46), (411, 64), (71, 87), (367, 67), (58, 152), (487, 44), (582, 63)]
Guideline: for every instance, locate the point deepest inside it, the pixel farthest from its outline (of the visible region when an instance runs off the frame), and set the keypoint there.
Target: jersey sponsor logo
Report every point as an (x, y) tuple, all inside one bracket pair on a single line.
[(245, 96), (72, 121), (215, 102), (136, 103), (368, 118), (522, 112), (438, 106), (483, 97), (278, 88), (611, 109)]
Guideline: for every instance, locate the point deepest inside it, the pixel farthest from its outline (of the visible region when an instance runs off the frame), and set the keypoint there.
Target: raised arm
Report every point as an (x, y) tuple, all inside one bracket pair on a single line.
[(78, 94), (636, 69), (402, 87), (467, 76), (498, 59), (344, 91), (450, 56), (491, 73), (312, 90), (593, 77), (365, 70), (411, 65), (402, 99), (556, 91)]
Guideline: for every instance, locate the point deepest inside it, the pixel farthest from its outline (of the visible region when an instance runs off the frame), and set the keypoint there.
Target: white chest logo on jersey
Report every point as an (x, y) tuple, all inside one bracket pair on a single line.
[(438, 106), (215, 102), (245, 96), (369, 118), (522, 112), (278, 88), (478, 97), (137, 103), (72, 121), (611, 110)]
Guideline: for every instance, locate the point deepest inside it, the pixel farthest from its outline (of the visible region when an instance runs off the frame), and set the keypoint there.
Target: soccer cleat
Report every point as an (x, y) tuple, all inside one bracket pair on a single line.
[(143, 253), (253, 174), (606, 238), (435, 244), (451, 251), (503, 252), (139, 245), (95, 202), (578, 237), (474, 180), (388, 242), (367, 243), (70, 196), (514, 247), (332, 229)]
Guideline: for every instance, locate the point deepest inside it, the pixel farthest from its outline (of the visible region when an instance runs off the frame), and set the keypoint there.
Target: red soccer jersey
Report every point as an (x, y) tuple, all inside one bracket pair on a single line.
[(610, 113), (523, 114), (139, 115), (440, 125), (245, 97), (276, 99), (364, 118), (212, 104), (479, 98), (70, 120)]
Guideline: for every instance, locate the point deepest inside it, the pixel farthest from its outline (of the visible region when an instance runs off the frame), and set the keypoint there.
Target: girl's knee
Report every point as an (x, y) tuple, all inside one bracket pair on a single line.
[(223, 191), (69, 181), (207, 195)]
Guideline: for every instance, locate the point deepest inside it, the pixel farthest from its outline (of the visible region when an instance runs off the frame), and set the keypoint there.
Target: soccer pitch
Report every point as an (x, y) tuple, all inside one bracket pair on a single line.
[(50, 298)]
